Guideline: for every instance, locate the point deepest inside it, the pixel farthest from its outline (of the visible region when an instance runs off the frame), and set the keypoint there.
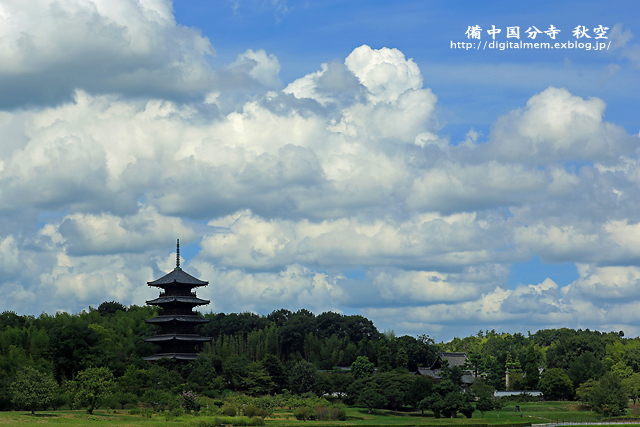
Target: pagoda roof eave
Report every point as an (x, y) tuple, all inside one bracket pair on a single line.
[(183, 299), (177, 337), (178, 277), (179, 356), (178, 318)]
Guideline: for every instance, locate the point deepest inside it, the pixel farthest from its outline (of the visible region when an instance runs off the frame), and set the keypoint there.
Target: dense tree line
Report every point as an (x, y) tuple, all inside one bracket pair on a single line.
[(297, 352)]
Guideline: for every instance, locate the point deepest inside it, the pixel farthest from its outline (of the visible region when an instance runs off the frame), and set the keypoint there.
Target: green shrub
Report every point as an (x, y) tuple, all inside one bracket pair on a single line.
[(332, 413), (257, 421), (236, 421), (303, 413), (229, 411)]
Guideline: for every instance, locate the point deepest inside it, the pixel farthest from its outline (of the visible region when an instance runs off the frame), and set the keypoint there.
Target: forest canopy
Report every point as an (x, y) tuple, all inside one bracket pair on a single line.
[(258, 354)]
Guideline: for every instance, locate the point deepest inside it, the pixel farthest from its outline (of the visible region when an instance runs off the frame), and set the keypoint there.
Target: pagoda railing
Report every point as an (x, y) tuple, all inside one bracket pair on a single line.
[(178, 294)]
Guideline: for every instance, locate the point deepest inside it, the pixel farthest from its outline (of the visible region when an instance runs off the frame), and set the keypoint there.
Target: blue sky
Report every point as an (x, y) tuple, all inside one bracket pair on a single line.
[(331, 155)]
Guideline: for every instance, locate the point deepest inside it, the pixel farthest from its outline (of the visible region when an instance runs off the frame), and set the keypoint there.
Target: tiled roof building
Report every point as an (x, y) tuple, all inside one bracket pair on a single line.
[(454, 359)]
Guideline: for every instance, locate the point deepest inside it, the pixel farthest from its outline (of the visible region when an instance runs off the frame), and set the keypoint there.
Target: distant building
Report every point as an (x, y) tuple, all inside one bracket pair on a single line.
[(505, 393), (177, 321), (454, 359)]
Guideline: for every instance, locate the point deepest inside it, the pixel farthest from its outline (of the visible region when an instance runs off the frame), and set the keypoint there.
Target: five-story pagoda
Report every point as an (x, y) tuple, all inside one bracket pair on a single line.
[(177, 321)]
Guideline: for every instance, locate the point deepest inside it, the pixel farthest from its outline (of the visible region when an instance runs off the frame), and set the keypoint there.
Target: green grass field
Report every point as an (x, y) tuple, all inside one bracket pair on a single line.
[(535, 413)]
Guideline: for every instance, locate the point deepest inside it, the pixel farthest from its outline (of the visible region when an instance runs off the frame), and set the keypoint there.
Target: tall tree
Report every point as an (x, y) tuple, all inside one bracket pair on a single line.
[(483, 393), (303, 377), (402, 359), (555, 384), (632, 386), (585, 367), (92, 386), (384, 359), (609, 396), (531, 372), (32, 389), (362, 367)]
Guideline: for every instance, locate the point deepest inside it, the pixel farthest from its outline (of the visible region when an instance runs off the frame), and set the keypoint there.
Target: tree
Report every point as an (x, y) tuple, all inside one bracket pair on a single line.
[(110, 307), (515, 373), (632, 359), (32, 389), (275, 369), (384, 359), (303, 377), (234, 370), (420, 388), (202, 371), (92, 386), (371, 399), (452, 374), (258, 381), (586, 391), (498, 405), (555, 384), (609, 396), (483, 393), (473, 363), (531, 372), (484, 405), (402, 359), (362, 367), (632, 386), (395, 398), (622, 370), (424, 404), (341, 382), (434, 403), (585, 367)]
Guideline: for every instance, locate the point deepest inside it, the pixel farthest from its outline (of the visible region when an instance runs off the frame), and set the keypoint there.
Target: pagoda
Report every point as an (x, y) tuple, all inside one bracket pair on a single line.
[(177, 321)]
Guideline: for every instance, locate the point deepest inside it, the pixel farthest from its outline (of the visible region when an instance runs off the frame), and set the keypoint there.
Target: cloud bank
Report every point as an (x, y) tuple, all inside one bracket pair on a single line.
[(119, 137)]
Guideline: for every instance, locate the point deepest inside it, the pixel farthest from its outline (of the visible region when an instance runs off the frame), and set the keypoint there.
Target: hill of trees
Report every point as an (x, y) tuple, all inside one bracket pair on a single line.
[(259, 355)]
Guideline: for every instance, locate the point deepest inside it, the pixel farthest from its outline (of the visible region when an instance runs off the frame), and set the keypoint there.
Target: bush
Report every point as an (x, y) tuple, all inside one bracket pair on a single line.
[(257, 421), (303, 413), (158, 398), (189, 401), (330, 414), (236, 421), (254, 411), (250, 410), (338, 414), (229, 411), (322, 413)]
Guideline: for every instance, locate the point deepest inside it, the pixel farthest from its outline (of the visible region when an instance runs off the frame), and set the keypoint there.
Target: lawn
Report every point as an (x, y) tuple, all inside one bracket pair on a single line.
[(535, 413)]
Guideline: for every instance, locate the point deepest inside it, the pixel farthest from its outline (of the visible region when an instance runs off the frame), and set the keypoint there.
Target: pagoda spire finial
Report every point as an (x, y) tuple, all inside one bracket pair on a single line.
[(178, 255)]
